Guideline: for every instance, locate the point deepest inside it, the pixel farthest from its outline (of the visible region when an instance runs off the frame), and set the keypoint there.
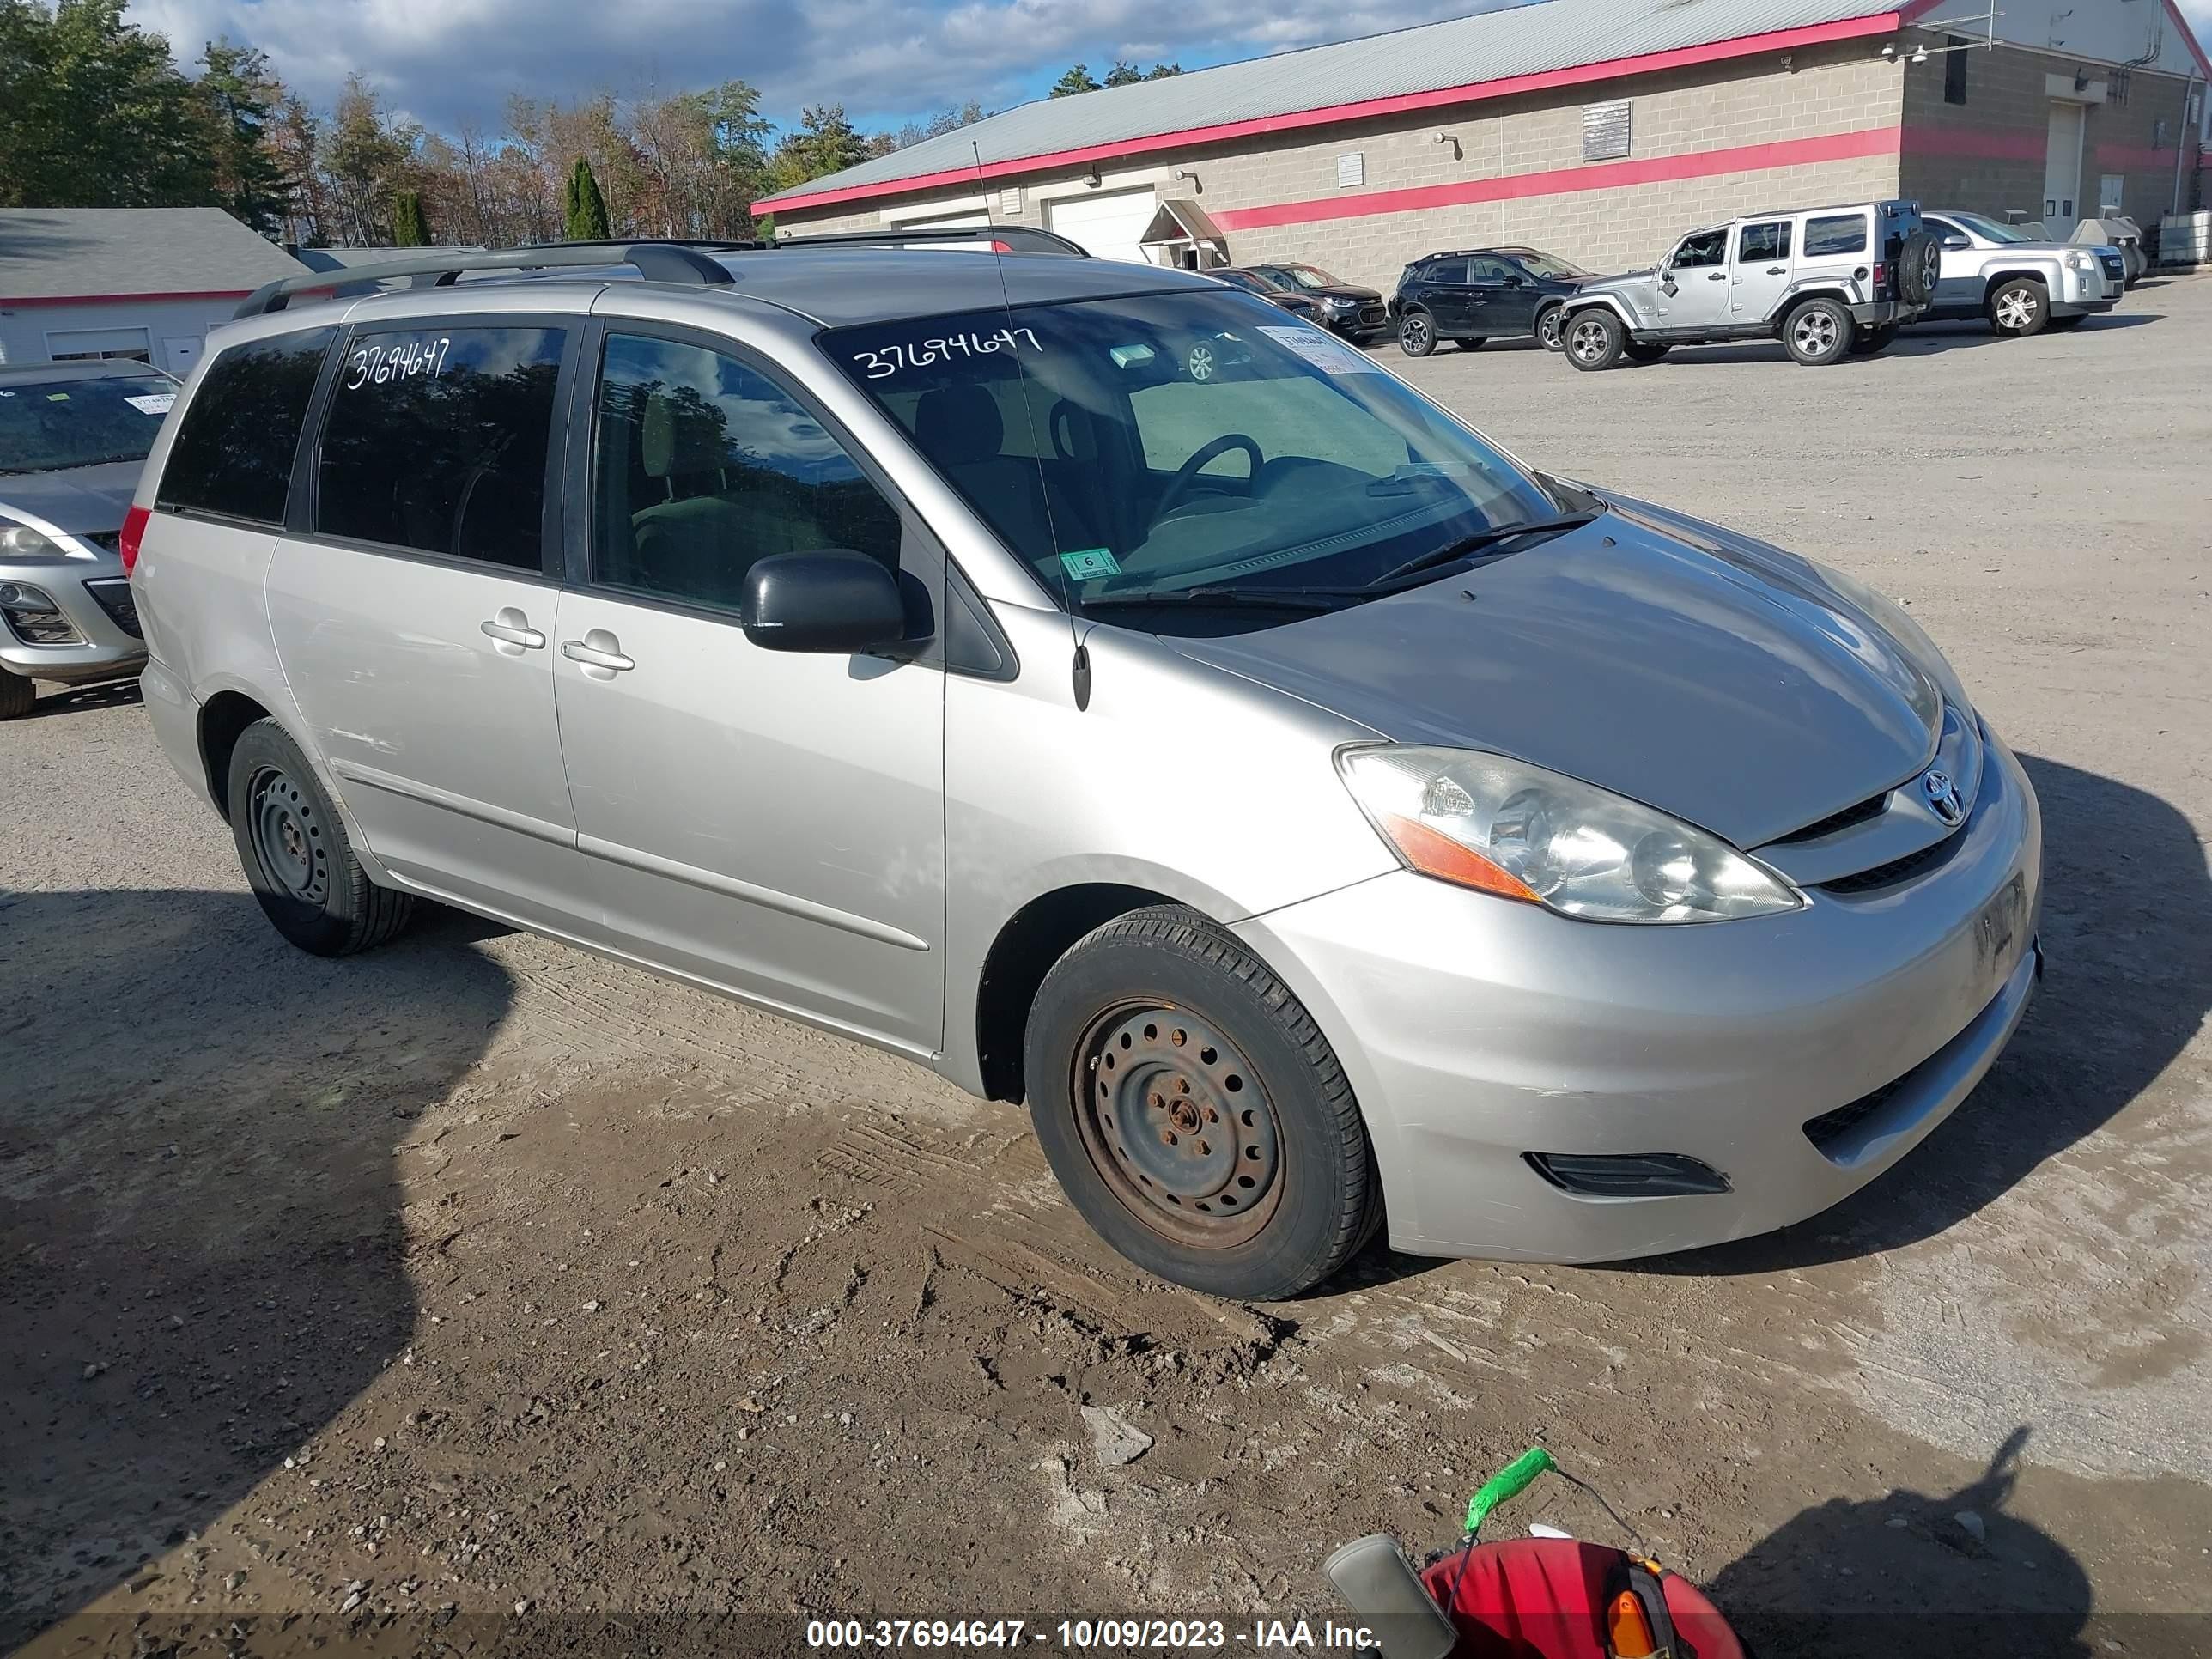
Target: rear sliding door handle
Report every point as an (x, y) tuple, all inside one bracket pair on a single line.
[(512, 630), (599, 652)]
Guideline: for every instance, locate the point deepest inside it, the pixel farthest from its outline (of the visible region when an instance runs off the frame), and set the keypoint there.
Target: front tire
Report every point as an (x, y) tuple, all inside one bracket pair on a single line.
[(1193, 1113), (1817, 332), (17, 694), (1594, 339), (297, 859), (1417, 334), (2020, 308)]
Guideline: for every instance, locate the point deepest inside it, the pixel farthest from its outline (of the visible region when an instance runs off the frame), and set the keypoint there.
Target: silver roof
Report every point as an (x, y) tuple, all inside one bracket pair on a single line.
[(48, 253), (1522, 40)]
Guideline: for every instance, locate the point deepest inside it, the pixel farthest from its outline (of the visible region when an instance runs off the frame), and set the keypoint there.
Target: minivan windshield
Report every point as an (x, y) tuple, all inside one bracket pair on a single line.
[(1135, 450), (46, 426)]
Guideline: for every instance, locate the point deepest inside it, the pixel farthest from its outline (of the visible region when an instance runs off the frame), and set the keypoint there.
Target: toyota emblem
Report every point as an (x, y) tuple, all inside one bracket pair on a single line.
[(1943, 796)]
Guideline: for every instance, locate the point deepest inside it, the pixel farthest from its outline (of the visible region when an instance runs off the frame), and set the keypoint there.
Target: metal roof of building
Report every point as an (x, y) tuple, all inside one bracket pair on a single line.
[(85, 254), (1461, 52)]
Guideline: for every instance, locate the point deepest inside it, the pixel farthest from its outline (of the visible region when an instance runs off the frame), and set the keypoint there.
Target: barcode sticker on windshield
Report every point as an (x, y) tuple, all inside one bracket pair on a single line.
[(153, 402), (1324, 351)]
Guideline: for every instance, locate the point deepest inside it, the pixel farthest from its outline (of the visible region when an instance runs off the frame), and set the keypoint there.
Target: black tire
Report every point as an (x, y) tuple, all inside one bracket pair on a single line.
[(1646, 351), (1919, 267), (1417, 334), (2019, 308), (1475, 344), (17, 694), (1290, 1193), (1547, 327), (1817, 332), (1865, 341), (1594, 338), (2066, 324), (294, 849)]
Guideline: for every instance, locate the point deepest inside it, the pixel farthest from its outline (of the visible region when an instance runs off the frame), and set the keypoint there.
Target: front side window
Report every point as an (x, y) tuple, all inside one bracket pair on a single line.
[(1488, 268), (1768, 241), (233, 455), (1835, 234), (50, 426), (436, 441), (1138, 447), (1701, 248), (703, 464), (1304, 276)]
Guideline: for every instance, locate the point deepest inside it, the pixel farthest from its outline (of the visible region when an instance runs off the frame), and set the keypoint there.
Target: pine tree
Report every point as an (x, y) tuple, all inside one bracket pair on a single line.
[(584, 218), (1077, 79), (409, 227)]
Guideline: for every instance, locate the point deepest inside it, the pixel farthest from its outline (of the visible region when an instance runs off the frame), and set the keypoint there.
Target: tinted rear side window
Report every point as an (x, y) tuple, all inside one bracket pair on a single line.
[(1843, 233), (233, 455), (436, 440)]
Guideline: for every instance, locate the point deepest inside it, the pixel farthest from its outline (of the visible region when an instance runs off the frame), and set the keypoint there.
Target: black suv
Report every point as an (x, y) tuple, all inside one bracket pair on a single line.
[(1474, 295)]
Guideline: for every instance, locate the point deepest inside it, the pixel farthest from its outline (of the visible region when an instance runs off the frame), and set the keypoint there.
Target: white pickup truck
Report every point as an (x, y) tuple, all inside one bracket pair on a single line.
[(2022, 283)]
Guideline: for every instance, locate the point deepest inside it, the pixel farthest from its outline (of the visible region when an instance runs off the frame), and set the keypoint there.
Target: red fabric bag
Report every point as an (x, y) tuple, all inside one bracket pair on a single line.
[(1545, 1598)]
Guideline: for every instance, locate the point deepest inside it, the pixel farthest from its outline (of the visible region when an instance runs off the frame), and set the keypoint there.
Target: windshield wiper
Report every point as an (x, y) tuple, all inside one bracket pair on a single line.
[(1273, 599), (1466, 546)]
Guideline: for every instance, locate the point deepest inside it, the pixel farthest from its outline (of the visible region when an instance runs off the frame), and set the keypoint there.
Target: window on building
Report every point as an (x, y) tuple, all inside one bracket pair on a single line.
[(1769, 242), (437, 439), (706, 465), (1835, 232), (233, 455), (1954, 70)]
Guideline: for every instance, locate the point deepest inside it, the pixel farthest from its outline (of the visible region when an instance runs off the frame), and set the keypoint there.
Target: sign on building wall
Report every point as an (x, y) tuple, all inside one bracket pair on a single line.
[(1604, 131), (1351, 170)]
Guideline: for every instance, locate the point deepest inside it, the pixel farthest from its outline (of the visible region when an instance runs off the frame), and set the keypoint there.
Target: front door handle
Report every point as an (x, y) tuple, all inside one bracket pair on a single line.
[(512, 632), (1716, 277), (599, 652), (1778, 270)]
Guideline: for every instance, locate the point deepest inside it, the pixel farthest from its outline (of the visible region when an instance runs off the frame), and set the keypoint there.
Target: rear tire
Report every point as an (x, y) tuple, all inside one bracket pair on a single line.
[(294, 849), (1594, 338), (1475, 344), (17, 694), (2020, 308), (1866, 341), (1253, 1178), (1547, 327), (1417, 334), (1817, 332)]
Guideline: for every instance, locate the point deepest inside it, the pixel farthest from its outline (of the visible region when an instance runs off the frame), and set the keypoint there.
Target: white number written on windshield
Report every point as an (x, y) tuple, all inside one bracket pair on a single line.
[(886, 361), (380, 365)]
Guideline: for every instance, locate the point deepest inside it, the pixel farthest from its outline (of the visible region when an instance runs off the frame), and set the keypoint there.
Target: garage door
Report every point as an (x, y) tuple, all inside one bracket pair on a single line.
[(1106, 226)]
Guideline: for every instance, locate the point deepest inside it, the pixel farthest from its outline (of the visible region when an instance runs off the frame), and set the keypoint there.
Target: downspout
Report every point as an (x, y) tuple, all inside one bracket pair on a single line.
[(2184, 140)]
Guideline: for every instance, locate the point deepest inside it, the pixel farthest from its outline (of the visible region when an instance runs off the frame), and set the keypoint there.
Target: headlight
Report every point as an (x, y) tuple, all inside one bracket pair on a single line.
[(2081, 261), (19, 541), (1505, 827), (1338, 302)]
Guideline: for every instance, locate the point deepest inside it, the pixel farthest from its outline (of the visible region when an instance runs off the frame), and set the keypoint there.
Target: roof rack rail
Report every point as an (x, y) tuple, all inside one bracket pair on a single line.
[(657, 260)]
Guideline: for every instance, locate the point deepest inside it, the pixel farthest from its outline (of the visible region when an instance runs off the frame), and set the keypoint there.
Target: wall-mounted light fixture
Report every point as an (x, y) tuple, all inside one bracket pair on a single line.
[(1788, 65), (1451, 139), (1091, 181)]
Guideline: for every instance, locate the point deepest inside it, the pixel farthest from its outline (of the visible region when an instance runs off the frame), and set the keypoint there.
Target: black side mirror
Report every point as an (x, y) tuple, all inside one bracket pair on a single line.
[(834, 601)]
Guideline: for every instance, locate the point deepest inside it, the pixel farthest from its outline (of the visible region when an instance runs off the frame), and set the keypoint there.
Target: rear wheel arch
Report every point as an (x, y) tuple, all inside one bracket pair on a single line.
[(223, 720), (1027, 944), (1797, 296)]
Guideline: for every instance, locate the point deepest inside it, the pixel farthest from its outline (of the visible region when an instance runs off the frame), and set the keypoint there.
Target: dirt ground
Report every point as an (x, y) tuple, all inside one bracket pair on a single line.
[(478, 1293)]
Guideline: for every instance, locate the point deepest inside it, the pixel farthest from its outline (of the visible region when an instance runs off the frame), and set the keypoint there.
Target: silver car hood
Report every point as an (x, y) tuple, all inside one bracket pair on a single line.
[(1724, 682), (81, 499)]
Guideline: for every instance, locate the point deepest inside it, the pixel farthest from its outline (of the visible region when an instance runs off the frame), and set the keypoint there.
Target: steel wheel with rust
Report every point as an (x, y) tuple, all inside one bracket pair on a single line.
[(1193, 1113)]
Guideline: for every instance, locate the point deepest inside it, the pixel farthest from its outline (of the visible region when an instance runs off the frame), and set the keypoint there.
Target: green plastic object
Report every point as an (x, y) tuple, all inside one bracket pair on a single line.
[(1511, 1481)]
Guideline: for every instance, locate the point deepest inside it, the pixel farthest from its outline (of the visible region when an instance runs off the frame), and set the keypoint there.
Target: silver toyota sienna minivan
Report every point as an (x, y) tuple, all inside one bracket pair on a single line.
[(1110, 692)]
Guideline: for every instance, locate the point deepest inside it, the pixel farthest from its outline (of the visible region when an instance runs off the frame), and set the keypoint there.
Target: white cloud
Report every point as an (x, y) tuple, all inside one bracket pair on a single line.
[(444, 61)]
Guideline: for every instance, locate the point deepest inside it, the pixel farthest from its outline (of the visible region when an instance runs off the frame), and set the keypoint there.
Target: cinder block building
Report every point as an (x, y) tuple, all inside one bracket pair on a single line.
[(1598, 130)]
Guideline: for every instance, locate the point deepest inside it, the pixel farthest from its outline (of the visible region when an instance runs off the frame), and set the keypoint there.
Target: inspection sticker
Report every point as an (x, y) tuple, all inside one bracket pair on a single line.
[(1324, 351), (1091, 561)]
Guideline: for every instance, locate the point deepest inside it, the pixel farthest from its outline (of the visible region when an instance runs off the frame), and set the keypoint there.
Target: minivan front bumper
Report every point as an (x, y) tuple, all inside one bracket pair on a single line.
[(1797, 1056)]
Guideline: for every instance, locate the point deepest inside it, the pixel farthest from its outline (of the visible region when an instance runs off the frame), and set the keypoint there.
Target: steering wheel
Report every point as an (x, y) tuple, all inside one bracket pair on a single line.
[(1187, 474)]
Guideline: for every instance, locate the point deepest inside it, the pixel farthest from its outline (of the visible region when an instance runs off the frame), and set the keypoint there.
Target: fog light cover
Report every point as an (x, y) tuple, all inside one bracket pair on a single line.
[(1628, 1174)]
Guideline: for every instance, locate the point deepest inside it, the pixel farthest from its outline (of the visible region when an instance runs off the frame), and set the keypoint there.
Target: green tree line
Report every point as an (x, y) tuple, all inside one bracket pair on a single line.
[(96, 112)]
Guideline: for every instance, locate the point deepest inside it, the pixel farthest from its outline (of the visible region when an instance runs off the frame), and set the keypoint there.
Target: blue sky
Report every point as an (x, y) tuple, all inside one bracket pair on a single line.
[(887, 61)]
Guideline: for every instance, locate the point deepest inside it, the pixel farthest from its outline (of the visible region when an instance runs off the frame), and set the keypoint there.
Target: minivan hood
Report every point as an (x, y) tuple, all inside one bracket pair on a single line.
[(1735, 690), (81, 499)]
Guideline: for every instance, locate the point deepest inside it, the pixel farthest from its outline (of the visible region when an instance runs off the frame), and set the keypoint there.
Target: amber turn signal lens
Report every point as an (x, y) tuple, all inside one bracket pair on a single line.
[(1439, 855), (1627, 1631)]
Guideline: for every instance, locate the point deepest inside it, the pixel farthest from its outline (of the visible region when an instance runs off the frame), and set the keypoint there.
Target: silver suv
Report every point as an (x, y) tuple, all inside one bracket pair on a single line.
[(1826, 281), (2020, 280), (1097, 685)]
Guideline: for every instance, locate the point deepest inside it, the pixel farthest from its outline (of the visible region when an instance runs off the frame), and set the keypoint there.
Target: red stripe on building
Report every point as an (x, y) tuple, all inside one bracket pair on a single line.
[(1744, 47), (114, 299), (1561, 181), (2136, 155)]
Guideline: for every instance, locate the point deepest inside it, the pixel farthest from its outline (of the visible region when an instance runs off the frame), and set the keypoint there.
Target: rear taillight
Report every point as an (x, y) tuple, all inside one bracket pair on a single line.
[(1880, 278), (134, 530)]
